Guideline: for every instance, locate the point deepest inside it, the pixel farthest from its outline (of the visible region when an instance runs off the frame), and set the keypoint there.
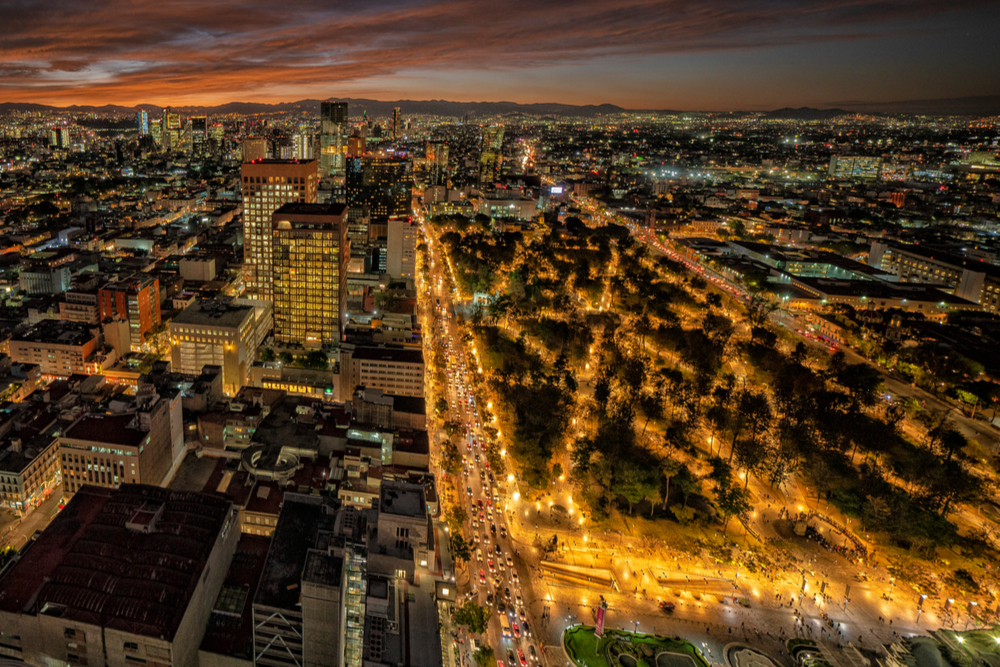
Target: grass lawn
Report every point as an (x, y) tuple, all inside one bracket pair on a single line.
[(583, 648)]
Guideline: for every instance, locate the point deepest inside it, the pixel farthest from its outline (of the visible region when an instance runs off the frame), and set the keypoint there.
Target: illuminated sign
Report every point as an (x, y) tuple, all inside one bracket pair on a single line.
[(556, 189)]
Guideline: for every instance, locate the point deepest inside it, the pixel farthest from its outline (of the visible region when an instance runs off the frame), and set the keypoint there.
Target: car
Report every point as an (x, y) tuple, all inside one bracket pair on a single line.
[(475, 524), (489, 562), (520, 653), (532, 653), (517, 598), (501, 607), (479, 554), (506, 592), (517, 629), (667, 606), (482, 576), (498, 548), (510, 657), (510, 561), (493, 528), (513, 575), (525, 628), (475, 537), (522, 615), (503, 531), (468, 489)]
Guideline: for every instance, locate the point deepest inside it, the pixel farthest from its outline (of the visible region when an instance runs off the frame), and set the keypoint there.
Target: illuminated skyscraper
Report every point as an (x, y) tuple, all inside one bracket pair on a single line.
[(395, 124), (59, 137), (383, 184), (490, 156), (436, 162), (302, 144), (311, 253), (267, 185), (170, 135), (199, 134), (143, 118), (333, 135)]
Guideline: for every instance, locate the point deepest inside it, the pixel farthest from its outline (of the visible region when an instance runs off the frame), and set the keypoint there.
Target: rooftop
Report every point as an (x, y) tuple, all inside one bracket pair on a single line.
[(300, 521), (88, 567), (402, 499), (212, 313), (398, 355), (108, 429)]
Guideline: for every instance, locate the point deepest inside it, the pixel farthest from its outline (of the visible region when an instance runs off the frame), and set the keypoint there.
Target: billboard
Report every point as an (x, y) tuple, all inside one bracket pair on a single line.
[(599, 630)]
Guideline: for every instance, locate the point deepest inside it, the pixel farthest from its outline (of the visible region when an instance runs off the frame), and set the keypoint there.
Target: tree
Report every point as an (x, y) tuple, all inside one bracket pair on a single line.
[(731, 499), (473, 616), (633, 481), (440, 406), (684, 515), (267, 355), (668, 468), (484, 656), (316, 360), (456, 516), (461, 550), (286, 358)]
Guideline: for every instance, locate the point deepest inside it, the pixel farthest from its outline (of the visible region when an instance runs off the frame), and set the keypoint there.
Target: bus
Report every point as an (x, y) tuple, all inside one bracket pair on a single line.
[(505, 625)]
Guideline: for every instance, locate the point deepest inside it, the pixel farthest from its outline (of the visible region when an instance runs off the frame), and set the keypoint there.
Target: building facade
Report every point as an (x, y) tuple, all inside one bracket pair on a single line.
[(310, 254), (214, 333), (136, 300), (333, 135), (394, 370), (383, 184), (401, 248), (268, 185)]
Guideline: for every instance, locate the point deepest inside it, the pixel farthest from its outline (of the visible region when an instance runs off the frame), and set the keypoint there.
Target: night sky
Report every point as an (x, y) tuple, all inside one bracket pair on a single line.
[(653, 54)]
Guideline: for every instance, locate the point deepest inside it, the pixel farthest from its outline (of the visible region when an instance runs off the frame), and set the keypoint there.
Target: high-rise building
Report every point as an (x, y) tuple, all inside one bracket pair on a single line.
[(436, 162), (59, 137), (136, 300), (310, 252), (383, 184), (170, 134), (395, 124), (267, 185), (199, 134), (302, 145), (358, 219), (490, 155), (143, 118), (333, 135), (401, 248), (254, 149)]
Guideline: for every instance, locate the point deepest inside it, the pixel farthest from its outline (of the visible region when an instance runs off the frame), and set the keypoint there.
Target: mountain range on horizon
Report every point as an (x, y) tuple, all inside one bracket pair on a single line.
[(985, 105)]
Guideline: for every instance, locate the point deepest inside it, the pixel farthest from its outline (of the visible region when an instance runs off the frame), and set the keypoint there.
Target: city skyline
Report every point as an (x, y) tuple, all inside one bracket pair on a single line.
[(725, 55)]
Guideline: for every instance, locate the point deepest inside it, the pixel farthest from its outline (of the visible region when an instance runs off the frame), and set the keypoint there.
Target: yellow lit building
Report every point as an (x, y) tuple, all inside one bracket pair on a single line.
[(311, 253), (267, 185)]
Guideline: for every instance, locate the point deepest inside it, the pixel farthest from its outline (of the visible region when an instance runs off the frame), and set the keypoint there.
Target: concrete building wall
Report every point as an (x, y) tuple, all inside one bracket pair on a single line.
[(321, 627)]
